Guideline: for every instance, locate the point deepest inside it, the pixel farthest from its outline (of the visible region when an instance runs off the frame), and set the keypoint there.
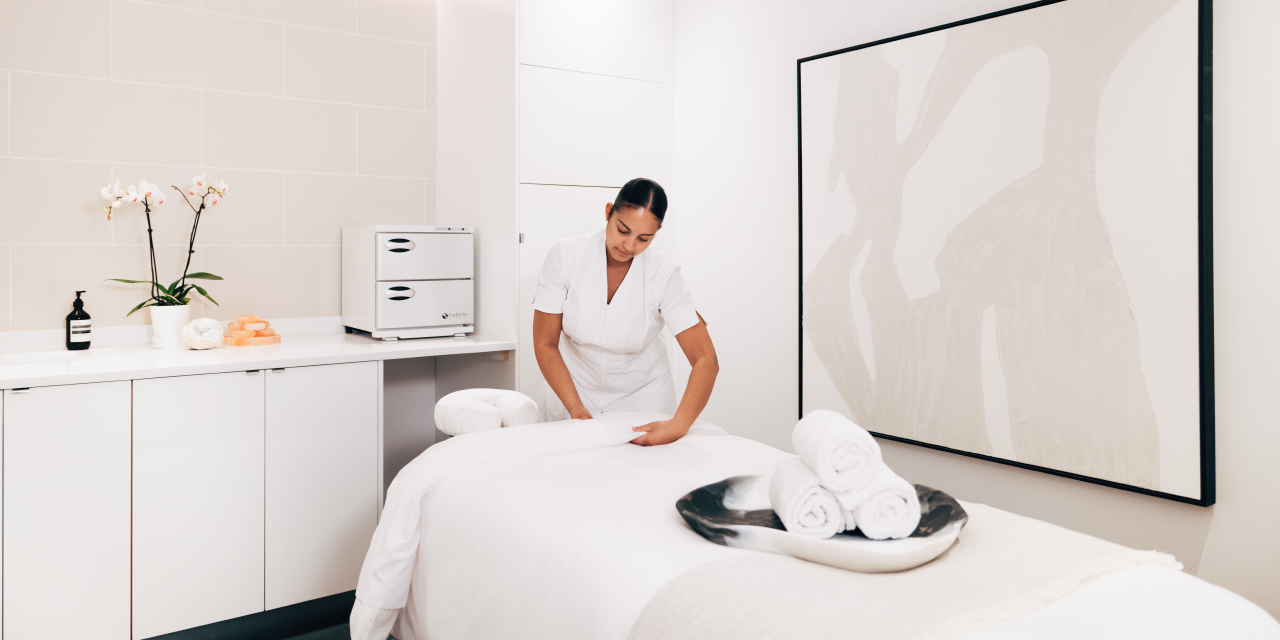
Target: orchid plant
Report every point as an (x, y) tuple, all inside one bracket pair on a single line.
[(150, 195)]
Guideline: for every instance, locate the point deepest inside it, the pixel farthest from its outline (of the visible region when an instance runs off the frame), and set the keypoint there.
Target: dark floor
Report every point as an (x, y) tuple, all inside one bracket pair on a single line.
[(336, 632)]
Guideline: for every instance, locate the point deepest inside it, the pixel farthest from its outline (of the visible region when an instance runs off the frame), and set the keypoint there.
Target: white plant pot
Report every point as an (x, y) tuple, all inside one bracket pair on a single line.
[(166, 324)]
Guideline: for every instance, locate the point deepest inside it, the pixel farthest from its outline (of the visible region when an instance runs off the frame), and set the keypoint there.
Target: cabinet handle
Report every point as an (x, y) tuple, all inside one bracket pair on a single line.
[(399, 245), (399, 293), (23, 391), (280, 370), (252, 372)]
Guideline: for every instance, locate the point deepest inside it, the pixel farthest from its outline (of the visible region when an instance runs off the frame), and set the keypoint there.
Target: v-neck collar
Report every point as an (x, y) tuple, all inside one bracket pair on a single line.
[(608, 303)]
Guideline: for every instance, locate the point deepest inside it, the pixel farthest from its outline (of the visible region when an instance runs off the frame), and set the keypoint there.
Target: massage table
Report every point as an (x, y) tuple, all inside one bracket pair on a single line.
[(589, 545)]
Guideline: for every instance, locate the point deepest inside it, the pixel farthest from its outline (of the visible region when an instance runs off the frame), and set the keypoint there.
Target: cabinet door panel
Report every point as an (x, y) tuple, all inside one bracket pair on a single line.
[(322, 478), (66, 512), (198, 501)]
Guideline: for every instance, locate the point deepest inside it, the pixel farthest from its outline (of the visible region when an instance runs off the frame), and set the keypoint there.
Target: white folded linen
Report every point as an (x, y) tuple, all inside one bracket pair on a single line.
[(801, 503), (389, 564), (475, 410), (891, 508), (844, 455)]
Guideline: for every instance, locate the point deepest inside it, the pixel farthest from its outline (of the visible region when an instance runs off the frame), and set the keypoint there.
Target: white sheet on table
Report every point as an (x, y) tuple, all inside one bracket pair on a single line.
[(483, 575), (389, 564), (1141, 602)]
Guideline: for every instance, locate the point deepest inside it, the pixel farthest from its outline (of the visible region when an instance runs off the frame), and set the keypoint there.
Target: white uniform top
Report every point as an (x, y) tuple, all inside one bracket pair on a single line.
[(613, 350)]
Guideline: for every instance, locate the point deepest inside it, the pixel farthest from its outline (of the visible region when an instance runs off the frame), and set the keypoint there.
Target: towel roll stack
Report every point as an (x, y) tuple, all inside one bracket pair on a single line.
[(843, 461)]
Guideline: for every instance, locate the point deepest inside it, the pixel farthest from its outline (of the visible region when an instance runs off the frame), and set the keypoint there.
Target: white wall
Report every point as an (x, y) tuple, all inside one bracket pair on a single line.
[(735, 166), (317, 114), (594, 111), (477, 147)]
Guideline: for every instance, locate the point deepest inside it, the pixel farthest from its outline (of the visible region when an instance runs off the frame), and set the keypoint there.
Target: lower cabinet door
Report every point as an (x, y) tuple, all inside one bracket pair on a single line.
[(322, 478), (197, 500), (66, 512)]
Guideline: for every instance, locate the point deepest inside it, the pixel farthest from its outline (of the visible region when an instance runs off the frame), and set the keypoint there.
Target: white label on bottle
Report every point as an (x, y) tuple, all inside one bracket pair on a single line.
[(81, 330)]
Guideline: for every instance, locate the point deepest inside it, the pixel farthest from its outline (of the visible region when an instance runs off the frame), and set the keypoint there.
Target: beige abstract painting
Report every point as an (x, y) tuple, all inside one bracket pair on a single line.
[(1000, 239)]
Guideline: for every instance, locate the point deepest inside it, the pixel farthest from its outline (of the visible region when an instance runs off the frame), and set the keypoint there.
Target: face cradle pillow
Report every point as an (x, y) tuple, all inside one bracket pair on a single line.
[(475, 410)]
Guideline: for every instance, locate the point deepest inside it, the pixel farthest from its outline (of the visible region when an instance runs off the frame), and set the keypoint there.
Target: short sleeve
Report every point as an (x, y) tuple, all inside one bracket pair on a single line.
[(677, 307), (553, 286)]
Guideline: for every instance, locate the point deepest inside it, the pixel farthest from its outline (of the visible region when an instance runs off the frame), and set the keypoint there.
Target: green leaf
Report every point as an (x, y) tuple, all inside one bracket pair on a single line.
[(171, 288), (129, 281), (141, 305), (205, 294), (200, 275)]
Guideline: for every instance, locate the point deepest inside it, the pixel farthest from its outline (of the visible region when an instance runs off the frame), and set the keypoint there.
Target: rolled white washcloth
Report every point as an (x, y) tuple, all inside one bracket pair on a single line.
[(844, 455), (801, 503), (891, 508), (475, 410)]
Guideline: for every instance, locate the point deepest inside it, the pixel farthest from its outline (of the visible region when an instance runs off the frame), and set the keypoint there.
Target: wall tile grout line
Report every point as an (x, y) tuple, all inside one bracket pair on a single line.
[(221, 168), (226, 91), (291, 24)]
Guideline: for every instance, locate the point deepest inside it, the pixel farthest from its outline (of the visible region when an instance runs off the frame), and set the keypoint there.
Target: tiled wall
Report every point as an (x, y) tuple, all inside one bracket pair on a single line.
[(317, 113)]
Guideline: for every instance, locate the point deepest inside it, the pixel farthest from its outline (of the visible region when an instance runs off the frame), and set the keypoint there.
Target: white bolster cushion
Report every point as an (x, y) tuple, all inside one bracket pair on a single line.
[(475, 410)]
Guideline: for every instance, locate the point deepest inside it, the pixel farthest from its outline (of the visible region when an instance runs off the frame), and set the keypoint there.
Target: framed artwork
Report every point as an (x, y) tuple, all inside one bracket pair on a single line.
[(1005, 240)]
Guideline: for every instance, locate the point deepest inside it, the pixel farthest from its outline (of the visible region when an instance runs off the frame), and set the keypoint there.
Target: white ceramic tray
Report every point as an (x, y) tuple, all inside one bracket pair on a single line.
[(735, 512)]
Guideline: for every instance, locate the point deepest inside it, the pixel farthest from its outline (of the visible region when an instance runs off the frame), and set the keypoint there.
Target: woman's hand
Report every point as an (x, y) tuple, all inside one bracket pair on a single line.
[(663, 432), (580, 413)]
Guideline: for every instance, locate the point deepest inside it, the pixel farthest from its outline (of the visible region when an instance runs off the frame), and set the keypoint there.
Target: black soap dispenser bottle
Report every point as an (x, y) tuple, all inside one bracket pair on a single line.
[(79, 328)]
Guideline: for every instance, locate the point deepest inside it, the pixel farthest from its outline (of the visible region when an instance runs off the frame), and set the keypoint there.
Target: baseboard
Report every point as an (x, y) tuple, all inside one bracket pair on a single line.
[(275, 624)]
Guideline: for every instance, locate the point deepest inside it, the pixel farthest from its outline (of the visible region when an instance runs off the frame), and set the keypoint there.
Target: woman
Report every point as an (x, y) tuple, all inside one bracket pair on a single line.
[(611, 299)]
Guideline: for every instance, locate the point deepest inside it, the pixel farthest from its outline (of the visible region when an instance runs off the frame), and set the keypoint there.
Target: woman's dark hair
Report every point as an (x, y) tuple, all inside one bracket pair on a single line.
[(642, 193)]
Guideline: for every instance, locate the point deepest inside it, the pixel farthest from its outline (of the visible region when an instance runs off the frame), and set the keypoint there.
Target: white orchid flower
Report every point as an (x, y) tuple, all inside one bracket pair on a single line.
[(221, 186), (199, 181), (112, 191), (131, 194), (159, 197), (147, 190), (116, 204), (213, 199)]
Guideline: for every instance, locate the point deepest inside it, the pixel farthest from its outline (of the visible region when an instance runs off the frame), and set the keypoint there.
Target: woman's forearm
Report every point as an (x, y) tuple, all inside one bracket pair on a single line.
[(556, 373), (698, 392)]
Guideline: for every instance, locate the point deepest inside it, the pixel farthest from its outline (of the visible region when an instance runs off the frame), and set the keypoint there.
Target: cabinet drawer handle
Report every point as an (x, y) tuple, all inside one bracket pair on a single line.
[(280, 370), (399, 245), (252, 372), (399, 293), (23, 391)]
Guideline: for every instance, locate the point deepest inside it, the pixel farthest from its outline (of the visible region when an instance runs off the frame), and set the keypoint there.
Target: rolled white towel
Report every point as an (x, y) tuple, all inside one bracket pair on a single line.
[(801, 503), (891, 509), (475, 410), (844, 455)]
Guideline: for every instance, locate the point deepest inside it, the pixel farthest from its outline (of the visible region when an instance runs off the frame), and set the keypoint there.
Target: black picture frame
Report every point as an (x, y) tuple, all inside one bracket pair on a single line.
[(1208, 488)]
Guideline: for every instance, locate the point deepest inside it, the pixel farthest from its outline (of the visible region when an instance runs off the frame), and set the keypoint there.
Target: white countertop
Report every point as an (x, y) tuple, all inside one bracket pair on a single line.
[(103, 364)]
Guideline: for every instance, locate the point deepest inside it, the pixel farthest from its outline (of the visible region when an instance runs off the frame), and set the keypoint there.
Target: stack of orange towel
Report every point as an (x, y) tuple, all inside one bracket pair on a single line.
[(249, 331)]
